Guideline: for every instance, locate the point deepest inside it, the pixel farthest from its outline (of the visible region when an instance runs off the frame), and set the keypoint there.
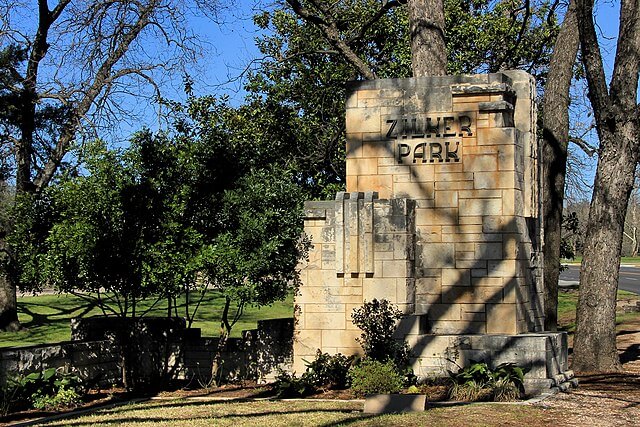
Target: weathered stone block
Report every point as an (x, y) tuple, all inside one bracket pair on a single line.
[(381, 288), (446, 199), (501, 319), (488, 251), (453, 185), (436, 255), (480, 207), (342, 338), (396, 268), (394, 403), (493, 180), (362, 166), (436, 216), (480, 163), (383, 184), (363, 119)]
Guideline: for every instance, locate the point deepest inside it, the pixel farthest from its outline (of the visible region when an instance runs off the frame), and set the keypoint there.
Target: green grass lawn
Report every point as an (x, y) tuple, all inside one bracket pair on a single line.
[(568, 300), (47, 317), (623, 260)]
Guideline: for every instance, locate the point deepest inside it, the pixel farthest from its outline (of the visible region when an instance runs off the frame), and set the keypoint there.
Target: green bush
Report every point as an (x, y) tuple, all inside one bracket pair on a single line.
[(64, 398), (325, 372), (47, 389), (288, 385), (478, 382), (329, 372), (511, 373), (477, 372), (375, 377)]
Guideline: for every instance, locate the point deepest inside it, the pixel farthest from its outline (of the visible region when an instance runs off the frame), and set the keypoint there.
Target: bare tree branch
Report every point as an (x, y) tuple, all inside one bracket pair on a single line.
[(328, 26), (588, 149)]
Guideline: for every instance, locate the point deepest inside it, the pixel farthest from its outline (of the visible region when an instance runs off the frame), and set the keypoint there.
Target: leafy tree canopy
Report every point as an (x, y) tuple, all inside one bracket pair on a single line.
[(202, 206)]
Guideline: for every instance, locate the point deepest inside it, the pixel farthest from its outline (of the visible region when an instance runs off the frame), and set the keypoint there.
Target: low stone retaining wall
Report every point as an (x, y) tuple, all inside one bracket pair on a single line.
[(94, 361), (165, 350), (162, 350)]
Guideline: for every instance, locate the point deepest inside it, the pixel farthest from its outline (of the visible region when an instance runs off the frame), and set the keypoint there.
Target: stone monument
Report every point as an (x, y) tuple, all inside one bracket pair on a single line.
[(442, 217)]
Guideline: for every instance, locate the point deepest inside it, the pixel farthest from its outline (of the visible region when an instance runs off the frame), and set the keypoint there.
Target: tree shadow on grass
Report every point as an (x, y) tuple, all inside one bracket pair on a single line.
[(620, 386), (40, 319)]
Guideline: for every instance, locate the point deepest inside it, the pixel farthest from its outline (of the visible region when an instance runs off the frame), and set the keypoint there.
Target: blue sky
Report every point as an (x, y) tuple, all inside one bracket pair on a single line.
[(232, 48)]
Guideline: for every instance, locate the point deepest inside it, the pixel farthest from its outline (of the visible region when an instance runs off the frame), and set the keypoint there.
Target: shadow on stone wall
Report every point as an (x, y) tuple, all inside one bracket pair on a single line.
[(154, 353)]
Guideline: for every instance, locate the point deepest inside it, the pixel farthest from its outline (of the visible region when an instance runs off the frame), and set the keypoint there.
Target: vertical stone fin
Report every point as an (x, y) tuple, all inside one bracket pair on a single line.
[(340, 231)]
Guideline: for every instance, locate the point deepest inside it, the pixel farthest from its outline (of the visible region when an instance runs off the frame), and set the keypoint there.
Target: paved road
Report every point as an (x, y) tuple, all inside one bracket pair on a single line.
[(629, 278)]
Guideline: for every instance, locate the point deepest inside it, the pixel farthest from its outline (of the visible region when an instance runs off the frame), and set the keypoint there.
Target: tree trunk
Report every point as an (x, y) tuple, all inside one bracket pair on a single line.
[(8, 302), (617, 118), (428, 47), (8, 305), (216, 364), (555, 136), (595, 338), (225, 331)]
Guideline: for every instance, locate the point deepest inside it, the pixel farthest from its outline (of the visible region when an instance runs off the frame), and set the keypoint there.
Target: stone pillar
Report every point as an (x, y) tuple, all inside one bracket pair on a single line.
[(442, 217), (464, 149)]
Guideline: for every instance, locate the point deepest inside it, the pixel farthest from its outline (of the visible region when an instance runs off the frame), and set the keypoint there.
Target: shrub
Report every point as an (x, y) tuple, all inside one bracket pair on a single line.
[(510, 372), (329, 372), (288, 385), (470, 391), (375, 377), (64, 398), (47, 389), (479, 382), (325, 372), (505, 390), (477, 372), (377, 320)]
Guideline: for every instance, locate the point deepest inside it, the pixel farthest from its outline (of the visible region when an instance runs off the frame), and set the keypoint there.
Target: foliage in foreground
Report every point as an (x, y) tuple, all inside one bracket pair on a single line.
[(325, 372), (478, 382), (375, 377), (49, 389), (166, 216), (192, 210)]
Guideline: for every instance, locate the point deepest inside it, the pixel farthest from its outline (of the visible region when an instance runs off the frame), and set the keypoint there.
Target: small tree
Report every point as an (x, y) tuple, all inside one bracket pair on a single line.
[(67, 66), (253, 261), (151, 220)]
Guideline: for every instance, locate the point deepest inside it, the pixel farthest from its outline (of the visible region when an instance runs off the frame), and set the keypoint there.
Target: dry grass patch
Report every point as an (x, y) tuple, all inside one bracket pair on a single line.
[(305, 413), (193, 413)]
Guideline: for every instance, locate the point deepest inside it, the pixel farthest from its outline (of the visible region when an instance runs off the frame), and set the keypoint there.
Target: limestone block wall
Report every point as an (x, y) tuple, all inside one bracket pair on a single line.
[(363, 248), (464, 149), (96, 362)]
